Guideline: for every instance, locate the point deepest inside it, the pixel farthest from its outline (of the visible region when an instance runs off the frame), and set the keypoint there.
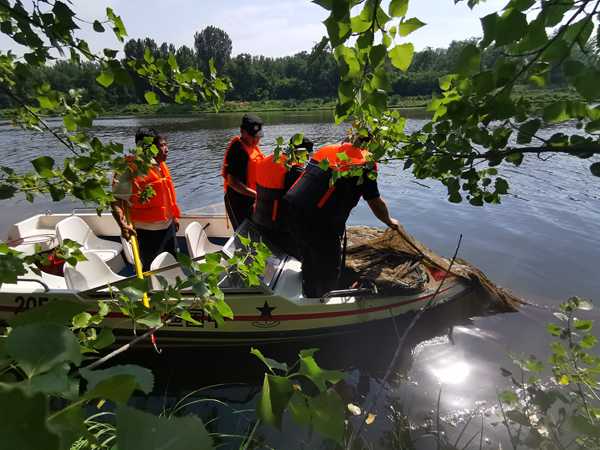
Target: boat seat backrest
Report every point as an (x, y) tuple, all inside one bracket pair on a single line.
[(76, 229), (89, 274), (127, 250), (197, 241), (73, 228), (163, 260)]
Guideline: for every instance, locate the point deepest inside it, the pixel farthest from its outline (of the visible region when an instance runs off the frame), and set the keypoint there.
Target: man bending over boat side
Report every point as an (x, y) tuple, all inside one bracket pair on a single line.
[(154, 220), (319, 206)]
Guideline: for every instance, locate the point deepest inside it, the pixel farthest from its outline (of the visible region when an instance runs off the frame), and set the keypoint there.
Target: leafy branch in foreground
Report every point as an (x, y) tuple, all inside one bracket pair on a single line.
[(563, 411), (480, 116)]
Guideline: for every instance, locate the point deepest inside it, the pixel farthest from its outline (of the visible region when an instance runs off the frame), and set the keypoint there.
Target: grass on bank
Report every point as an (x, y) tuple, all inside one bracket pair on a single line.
[(539, 97)]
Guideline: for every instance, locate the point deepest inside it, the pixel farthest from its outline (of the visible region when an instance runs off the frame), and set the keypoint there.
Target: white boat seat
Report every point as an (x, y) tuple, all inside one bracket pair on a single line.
[(25, 286), (163, 260), (197, 241), (77, 230), (89, 274)]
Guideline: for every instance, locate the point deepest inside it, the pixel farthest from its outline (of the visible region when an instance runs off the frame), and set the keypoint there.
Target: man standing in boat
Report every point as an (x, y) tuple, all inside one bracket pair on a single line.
[(319, 209), (154, 220), (273, 179), (239, 169)]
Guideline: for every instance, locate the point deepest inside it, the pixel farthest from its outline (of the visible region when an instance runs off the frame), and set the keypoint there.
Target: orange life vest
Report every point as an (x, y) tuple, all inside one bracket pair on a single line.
[(160, 207), (254, 156), (270, 189), (313, 188)]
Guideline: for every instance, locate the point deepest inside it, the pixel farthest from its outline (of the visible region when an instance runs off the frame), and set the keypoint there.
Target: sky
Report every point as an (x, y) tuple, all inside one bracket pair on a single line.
[(263, 27)]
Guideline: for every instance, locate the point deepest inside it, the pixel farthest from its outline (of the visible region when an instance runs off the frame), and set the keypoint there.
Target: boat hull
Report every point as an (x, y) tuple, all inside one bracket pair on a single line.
[(258, 318)]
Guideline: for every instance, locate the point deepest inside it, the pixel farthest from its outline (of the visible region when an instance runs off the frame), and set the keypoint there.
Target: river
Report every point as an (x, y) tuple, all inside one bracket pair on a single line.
[(542, 243)]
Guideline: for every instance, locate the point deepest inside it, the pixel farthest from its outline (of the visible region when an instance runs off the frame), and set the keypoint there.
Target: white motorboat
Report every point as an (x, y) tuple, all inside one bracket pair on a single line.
[(274, 311)]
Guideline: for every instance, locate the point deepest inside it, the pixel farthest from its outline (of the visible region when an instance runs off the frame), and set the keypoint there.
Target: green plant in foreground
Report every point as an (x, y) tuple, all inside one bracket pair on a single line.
[(306, 391), (562, 411)]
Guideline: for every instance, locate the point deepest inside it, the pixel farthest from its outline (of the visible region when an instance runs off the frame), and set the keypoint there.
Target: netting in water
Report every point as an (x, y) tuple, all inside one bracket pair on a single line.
[(395, 261)]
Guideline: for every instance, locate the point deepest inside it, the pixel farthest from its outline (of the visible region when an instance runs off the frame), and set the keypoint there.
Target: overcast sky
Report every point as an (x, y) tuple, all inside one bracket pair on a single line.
[(267, 27)]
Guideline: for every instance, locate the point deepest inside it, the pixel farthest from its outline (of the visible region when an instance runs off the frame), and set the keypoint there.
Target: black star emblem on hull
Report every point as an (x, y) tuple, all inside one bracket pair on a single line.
[(265, 311)]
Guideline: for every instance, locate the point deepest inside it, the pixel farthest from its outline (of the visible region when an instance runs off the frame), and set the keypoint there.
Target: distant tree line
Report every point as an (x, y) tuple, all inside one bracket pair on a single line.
[(308, 74)]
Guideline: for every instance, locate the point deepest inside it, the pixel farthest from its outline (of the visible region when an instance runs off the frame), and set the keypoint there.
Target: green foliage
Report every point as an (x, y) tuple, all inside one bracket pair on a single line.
[(552, 412), (144, 431), (307, 393)]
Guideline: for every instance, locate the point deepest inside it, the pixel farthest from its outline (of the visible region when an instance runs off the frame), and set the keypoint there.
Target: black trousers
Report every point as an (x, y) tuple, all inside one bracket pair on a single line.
[(238, 207), (319, 247), (154, 242)]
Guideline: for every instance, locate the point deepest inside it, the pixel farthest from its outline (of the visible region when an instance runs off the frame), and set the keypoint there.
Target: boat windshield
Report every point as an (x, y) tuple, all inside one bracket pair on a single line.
[(274, 265)]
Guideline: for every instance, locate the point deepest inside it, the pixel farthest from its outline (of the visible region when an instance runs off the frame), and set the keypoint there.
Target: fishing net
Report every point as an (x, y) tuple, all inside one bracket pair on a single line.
[(395, 260)]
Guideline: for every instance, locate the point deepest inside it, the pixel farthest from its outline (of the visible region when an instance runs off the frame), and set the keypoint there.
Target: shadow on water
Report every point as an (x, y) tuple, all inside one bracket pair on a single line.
[(364, 355)]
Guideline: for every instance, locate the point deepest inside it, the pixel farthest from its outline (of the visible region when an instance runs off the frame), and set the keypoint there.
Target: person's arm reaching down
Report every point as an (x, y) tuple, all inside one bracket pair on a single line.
[(118, 208), (380, 210), (239, 187)]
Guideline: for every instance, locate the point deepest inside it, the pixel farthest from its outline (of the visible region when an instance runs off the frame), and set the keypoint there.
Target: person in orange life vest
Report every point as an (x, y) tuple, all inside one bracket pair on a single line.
[(319, 210), (155, 221), (273, 179), (239, 169)]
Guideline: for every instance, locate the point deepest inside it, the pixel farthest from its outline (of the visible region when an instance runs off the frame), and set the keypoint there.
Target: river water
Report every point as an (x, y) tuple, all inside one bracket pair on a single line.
[(542, 242)]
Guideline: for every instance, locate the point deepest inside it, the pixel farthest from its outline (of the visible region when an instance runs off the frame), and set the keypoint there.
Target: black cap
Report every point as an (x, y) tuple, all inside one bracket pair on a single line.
[(306, 144), (143, 133), (252, 124)]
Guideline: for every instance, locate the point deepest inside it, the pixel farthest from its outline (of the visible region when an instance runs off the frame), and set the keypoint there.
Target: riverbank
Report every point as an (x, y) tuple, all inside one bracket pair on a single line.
[(414, 104)]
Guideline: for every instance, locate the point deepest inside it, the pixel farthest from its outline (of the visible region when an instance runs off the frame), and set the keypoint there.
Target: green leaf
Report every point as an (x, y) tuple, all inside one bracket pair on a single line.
[(401, 56), (311, 370), (556, 112), (151, 98), (586, 83), (501, 186), (53, 382), (398, 8), (151, 320), (299, 408), (489, 26), (81, 320), (377, 55), (510, 27), (595, 169), (69, 426), (338, 30), (118, 27), (270, 363), (70, 122), (327, 414), (23, 421), (528, 130), (142, 376), (105, 78), (46, 102), (39, 347), (43, 166), (7, 191), (276, 393), (554, 329), (588, 341), (137, 430), (117, 389), (583, 325), (410, 25), (469, 60), (345, 91), (508, 397), (98, 27)]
